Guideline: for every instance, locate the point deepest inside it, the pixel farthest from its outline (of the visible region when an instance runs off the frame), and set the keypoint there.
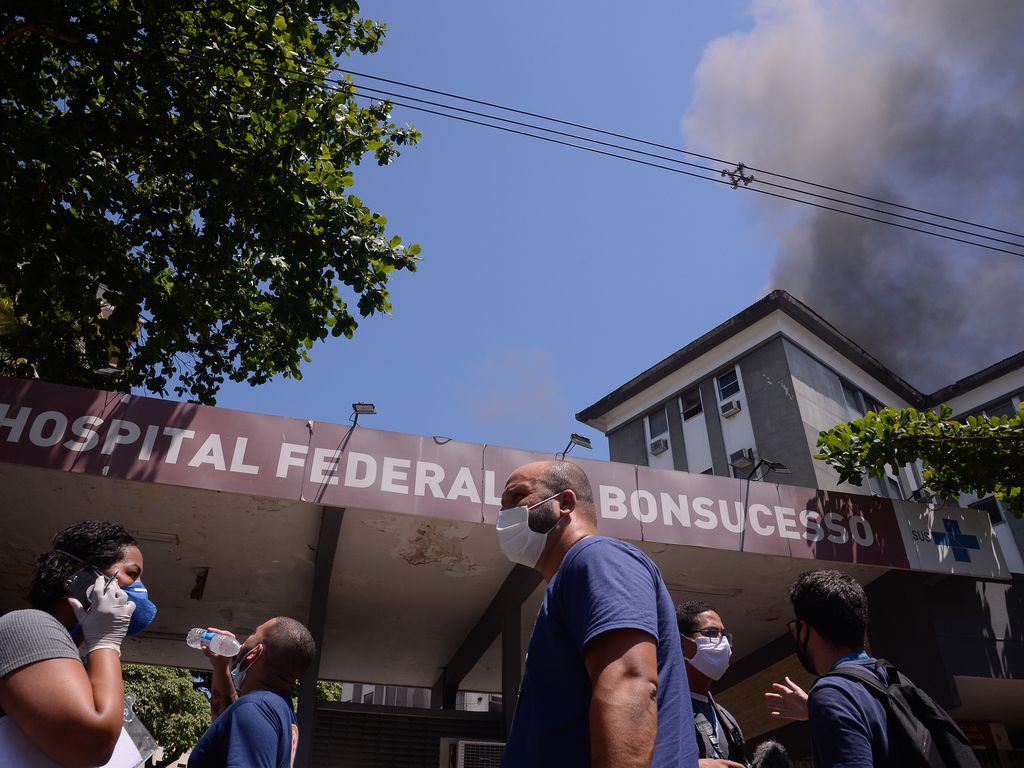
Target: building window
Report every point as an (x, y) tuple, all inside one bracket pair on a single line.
[(990, 505), (728, 385), (690, 404), (657, 423), (1001, 409)]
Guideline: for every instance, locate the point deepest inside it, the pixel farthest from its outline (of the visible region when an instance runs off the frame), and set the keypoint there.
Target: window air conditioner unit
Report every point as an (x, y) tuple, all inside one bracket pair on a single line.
[(742, 458), (730, 408), (658, 446), (477, 754)]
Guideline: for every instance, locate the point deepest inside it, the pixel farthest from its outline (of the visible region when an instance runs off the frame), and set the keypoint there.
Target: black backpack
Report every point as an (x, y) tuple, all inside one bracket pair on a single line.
[(920, 731)]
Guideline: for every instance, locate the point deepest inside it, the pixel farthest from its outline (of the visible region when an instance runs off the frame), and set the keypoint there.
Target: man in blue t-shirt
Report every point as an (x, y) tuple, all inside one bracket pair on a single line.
[(848, 722), (253, 722), (605, 683)]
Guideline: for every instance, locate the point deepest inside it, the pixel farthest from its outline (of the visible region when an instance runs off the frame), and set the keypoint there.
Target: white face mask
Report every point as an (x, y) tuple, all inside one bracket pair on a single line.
[(518, 541), (712, 657)]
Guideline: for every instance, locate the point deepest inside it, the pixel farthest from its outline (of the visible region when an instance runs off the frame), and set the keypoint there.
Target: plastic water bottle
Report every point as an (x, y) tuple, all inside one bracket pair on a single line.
[(222, 645)]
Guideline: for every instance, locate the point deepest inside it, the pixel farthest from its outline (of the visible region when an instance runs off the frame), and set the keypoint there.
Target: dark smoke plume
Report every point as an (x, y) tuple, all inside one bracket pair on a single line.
[(921, 102)]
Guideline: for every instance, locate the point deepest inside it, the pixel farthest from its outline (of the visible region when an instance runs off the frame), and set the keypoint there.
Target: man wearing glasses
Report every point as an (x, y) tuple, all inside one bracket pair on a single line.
[(849, 725), (707, 648)]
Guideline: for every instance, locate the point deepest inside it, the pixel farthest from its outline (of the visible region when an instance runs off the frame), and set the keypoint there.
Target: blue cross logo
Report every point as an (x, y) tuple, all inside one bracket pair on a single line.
[(958, 542)]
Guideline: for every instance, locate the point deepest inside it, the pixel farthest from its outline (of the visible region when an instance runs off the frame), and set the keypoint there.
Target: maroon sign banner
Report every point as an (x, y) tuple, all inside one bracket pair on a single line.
[(151, 440)]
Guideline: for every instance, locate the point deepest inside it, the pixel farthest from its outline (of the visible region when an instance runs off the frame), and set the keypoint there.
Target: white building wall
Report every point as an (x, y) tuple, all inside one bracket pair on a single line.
[(696, 443), (819, 396), (737, 432)]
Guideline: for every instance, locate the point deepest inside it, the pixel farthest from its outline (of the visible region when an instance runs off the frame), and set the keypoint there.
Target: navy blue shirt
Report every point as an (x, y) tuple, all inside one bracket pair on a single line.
[(257, 731), (848, 722), (602, 585)]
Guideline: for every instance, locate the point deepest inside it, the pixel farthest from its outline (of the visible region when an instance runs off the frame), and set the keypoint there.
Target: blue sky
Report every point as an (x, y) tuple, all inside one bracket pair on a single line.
[(549, 276)]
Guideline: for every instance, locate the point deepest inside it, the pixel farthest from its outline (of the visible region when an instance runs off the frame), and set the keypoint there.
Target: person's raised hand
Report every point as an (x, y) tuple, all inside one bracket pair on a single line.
[(105, 623), (787, 701), (216, 660)]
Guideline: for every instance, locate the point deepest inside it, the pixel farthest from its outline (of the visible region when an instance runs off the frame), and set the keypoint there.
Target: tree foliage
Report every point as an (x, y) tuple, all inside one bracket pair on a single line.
[(328, 690), (979, 455), (169, 705), (186, 163)]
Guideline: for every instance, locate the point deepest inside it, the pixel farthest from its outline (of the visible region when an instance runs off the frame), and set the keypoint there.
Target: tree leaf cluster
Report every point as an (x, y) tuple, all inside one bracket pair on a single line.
[(167, 702), (978, 455), (175, 190)]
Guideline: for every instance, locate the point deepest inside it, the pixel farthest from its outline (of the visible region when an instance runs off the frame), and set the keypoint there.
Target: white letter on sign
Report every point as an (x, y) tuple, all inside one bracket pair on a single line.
[(352, 478), (211, 452), (325, 466), (464, 486), (613, 502), (120, 433), (394, 477), (84, 426), (238, 458), (287, 458), (637, 501)]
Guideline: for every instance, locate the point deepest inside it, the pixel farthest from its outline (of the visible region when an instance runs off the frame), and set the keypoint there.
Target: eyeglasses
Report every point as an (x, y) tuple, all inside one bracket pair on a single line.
[(712, 633)]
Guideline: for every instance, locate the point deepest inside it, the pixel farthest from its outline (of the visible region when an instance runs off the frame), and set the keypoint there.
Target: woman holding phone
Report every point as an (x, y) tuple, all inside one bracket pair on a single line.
[(87, 592)]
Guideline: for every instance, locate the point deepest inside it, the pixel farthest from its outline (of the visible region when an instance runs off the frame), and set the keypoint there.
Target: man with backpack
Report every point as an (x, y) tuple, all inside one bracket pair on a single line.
[(862, 711)]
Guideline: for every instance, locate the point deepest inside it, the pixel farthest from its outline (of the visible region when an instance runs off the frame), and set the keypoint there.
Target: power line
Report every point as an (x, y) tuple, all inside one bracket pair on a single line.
[(349, 88), (664, 146), (675, 160)]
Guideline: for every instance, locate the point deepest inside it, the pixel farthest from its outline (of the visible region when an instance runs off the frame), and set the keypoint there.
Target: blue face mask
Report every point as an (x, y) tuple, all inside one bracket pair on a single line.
[(238, 674), (145, 610)]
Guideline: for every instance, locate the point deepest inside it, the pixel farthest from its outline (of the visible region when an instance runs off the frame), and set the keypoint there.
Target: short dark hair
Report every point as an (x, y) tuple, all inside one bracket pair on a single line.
[(289, 647), (834, 604), (99, 543), (564, 475), (687, 613)]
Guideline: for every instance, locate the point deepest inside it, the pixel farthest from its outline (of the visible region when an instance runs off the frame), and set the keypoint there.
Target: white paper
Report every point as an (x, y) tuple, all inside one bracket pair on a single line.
[(16, 751)]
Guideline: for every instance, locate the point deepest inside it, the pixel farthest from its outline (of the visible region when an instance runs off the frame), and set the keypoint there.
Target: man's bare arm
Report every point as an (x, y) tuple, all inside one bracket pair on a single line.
[(623, 669)]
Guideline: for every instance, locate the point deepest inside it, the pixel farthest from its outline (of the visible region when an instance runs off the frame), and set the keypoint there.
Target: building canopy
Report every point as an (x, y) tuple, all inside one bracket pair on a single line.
[(228, 509)]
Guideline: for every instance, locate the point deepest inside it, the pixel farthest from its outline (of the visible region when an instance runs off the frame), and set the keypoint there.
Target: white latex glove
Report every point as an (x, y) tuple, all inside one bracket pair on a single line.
[(104, 625)]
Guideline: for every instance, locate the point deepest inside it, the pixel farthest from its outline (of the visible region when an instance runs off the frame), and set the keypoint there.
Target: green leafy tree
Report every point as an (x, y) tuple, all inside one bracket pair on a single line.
[(328, 690), (979, 455), (174, 184), (168, 704)]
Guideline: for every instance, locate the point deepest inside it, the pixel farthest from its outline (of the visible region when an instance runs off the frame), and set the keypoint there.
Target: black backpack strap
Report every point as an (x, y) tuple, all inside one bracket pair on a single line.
[(729, 724), (869, 679), (707, 731)]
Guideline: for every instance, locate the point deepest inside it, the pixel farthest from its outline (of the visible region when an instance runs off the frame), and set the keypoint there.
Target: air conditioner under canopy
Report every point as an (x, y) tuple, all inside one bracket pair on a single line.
[(460, 753), (658, 446), (742, 458), (731, 408)]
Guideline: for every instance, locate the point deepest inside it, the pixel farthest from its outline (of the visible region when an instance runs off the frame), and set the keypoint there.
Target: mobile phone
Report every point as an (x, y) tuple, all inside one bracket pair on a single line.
[(78, 583)]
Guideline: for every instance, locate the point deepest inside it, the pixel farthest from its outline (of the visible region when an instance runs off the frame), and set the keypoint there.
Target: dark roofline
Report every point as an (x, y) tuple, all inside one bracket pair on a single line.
[(967, 383), (776, 300)]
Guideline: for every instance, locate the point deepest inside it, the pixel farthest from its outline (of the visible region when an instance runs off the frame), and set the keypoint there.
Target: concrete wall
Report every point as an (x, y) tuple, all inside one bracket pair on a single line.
[(775, 414), (713, 420), (819, 395), (675, 435), (628, 444), (934, 627)]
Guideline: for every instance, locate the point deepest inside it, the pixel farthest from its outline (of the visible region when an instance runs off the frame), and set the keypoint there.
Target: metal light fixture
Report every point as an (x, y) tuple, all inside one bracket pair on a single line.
[(575, 439), (773, 466), (358, 409), (110, 372)]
